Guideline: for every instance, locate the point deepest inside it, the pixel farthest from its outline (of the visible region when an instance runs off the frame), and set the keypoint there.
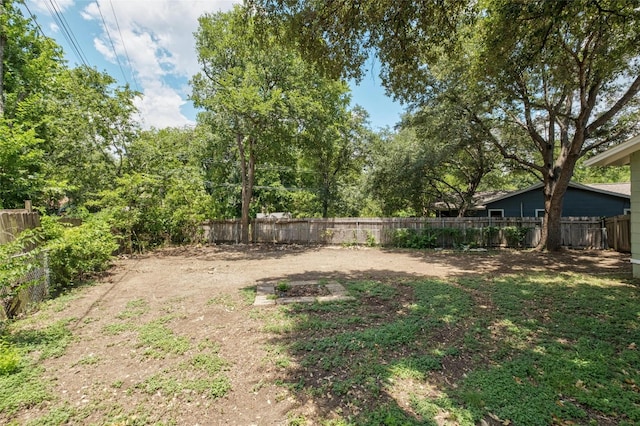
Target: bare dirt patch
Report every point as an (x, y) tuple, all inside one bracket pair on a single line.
[(204, 296)]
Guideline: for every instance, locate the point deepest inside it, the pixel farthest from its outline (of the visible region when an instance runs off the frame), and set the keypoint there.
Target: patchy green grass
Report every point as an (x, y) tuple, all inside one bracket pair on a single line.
[(530, 349), (565, 350), (527, 349), (194, 377), (134, 309), (224, 300), (157, 340), (22, 384), (201, 377)]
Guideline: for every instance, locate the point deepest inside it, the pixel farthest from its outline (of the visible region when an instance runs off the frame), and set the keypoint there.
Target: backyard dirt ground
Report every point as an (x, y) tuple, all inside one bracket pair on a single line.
[(207, 291)]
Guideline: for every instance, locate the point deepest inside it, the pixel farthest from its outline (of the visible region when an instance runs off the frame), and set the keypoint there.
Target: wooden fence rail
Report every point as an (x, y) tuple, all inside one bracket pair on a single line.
[(584, 232)]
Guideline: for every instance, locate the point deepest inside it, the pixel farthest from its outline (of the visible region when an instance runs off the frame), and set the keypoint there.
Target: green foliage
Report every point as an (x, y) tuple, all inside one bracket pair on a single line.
[(566, 344), (89, 130), (547, 349), (9, 358), (375, 289), (161, 197), (23, 388), (14, 262), (542, 83), (435, 237), (490, 233), (282, 134), (158, 340), (77, 252), (370, 240), (412, 238), (516, 235), (21, 158), (283, 286), (209, 381), (24, 383)]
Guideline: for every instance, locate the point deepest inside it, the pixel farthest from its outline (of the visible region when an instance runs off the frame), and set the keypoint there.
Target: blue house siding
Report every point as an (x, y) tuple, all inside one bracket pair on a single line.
[(577, 202)]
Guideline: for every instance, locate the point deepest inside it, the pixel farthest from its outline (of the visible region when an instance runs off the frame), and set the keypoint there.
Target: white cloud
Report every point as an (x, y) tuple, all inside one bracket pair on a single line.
[(160, 107), (44, 5), (157, 37)]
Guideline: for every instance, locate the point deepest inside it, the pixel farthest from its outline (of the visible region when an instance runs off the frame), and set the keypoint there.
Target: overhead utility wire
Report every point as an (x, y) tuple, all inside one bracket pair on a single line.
[(33, 18), (135, 81), (106, 28), (60, 20)]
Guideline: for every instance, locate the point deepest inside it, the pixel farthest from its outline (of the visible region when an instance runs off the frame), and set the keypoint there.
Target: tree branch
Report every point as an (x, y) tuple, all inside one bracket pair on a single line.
[(631, 92)]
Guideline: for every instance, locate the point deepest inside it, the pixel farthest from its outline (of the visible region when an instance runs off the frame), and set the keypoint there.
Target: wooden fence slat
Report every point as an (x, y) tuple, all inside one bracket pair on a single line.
[(618, 232), (13, 222), (575, 232)]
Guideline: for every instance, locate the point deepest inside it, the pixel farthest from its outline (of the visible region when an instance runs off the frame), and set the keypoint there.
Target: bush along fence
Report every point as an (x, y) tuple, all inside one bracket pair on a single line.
[(24, 271), (54, 256), (583, 232)]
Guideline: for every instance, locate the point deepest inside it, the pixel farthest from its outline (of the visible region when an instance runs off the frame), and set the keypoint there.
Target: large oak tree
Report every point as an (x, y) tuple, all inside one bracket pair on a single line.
[(555, 80), (259, 96)]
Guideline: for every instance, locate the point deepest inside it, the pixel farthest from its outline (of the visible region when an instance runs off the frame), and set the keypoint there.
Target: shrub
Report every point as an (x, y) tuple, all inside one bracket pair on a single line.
[(411, 238), (516, 235), (9, 358), (76, 252), (490, 234)]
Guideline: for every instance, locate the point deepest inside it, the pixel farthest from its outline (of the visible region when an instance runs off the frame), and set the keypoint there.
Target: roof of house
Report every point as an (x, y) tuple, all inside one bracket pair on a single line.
[(615, 188), (478, 201), (618, 155), (481, 199), (618, 190)]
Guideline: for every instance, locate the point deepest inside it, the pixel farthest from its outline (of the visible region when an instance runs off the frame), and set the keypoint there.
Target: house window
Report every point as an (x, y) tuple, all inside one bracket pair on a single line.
[(496, 212), (539, 212), (627, 211)]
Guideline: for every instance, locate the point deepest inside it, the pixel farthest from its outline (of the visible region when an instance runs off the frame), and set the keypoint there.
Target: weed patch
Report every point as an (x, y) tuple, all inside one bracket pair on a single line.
[(201, 377), (158, 340), (22, 384), (530, 349)]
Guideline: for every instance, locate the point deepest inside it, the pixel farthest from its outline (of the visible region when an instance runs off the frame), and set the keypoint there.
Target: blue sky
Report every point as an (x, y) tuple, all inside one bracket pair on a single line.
[(155, 54)]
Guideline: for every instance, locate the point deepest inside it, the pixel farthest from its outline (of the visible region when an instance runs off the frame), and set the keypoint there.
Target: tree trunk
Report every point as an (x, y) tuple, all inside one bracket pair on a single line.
[(551, 238), (325, 197), (555, 186), (247, 168)]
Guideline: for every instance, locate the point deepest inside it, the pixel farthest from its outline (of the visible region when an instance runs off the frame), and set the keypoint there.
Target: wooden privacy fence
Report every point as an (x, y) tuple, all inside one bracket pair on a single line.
[(34, 285), (12, 222), (618, 232), (584, 232)]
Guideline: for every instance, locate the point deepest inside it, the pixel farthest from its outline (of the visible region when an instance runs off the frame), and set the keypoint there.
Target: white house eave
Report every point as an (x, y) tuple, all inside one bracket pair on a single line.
[(617, 156)]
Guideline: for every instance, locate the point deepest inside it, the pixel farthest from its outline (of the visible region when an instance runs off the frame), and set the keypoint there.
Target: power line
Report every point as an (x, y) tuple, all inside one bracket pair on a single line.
[(60, 20), (33, 18), (135, 81), (106, 28)]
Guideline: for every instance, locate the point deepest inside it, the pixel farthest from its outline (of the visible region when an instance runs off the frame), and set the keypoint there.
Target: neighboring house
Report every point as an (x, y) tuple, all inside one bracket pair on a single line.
[(594, 200), (627, 153)]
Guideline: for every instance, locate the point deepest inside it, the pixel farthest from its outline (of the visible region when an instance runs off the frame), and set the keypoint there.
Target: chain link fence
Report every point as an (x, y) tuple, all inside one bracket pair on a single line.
[(31, 288)]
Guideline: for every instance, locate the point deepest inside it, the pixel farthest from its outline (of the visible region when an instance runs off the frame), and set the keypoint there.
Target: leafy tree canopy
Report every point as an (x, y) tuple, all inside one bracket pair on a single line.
[(551, 81)]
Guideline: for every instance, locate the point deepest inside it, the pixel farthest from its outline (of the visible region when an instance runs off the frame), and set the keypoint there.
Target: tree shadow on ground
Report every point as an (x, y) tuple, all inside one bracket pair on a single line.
[(237, 252), (417, 350), (517, 261)]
